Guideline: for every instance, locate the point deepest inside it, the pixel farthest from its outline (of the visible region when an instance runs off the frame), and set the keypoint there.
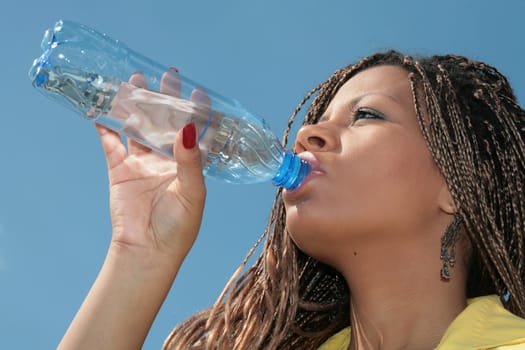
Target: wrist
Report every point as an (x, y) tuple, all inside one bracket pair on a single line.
[(152, 261), (124, 300)]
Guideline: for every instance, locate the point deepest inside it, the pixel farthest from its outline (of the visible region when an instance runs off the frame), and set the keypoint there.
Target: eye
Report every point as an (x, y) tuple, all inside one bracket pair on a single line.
[(367, 113)]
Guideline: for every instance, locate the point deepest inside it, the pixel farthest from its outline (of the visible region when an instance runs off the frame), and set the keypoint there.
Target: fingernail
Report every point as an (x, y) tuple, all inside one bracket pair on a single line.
[(174, 69), (137, 72), (189, 136)]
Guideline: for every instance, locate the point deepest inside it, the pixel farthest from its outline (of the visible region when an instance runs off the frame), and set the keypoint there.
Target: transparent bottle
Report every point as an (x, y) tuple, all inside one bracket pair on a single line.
[(107, 82)]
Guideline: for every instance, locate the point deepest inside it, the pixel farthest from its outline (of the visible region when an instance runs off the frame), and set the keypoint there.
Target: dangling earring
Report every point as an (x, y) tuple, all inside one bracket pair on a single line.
[(448, 247)]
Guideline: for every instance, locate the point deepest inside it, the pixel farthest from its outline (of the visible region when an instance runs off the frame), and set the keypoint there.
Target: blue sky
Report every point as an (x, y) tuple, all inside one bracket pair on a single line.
[(54, 221)]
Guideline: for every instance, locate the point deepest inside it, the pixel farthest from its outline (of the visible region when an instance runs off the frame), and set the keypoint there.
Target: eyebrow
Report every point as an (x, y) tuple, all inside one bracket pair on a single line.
[(357, 99)]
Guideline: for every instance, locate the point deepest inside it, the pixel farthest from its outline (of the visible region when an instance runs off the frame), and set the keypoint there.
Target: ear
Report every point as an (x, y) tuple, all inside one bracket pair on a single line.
[(445, 200)]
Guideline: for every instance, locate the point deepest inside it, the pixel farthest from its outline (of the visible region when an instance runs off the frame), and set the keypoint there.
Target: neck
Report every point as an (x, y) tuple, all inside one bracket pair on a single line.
[(402, 303)]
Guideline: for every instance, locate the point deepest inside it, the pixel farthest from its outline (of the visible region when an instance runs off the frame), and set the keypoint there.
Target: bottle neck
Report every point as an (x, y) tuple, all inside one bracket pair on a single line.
[(292, 171)]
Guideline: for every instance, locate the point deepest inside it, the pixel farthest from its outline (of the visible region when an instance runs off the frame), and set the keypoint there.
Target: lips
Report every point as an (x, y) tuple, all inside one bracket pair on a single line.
[(316, 171), (311, 159)]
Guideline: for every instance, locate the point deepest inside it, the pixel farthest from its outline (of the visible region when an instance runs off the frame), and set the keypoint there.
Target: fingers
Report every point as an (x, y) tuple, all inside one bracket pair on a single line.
[(114, 149), (188, 157), (202, 99), (202, 114), (170, 83), (138, 79)]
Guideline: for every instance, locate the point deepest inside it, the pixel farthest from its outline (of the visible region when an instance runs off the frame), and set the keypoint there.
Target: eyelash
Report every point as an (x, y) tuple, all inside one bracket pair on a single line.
[(359, 113), (362, 112)]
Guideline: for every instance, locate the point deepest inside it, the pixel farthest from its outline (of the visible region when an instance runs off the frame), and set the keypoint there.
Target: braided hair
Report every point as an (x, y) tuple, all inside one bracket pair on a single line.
[(475, 131)]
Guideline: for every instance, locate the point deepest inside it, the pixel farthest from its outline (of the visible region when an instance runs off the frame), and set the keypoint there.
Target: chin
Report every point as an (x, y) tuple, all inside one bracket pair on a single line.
[(306, 237)]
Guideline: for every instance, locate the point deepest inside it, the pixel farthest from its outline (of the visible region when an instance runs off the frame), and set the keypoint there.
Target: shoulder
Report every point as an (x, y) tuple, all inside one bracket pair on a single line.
[(485, 324), (339, 341)]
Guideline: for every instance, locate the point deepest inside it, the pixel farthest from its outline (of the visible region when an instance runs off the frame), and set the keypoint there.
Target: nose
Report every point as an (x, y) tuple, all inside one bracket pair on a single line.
[(315, 137)]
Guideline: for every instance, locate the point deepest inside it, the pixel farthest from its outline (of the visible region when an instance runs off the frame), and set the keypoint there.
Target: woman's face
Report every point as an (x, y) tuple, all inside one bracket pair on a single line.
[(374, 182)]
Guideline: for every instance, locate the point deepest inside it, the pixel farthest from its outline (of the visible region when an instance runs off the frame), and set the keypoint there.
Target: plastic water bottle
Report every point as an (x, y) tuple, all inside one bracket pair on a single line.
[(107, 82)]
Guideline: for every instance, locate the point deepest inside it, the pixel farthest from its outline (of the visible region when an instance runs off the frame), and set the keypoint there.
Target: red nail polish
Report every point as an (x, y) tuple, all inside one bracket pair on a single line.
[(174, 69), (189, 136)]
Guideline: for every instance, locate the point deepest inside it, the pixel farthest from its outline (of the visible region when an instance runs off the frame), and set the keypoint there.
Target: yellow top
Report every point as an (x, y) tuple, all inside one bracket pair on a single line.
[(484, 324)]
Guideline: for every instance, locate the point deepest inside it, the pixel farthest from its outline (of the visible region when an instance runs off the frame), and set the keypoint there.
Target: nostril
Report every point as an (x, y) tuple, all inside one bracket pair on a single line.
[(316, 141)]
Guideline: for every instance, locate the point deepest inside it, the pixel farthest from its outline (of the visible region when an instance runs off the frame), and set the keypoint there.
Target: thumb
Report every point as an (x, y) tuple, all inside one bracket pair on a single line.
[(188, 156)]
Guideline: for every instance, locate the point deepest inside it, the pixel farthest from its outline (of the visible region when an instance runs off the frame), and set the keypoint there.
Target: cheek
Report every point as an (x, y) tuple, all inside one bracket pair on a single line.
[(403, 183), (388, 184)]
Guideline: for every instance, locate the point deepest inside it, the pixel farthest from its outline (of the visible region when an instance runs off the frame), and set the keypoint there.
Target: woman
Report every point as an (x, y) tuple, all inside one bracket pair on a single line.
[(409, 230)]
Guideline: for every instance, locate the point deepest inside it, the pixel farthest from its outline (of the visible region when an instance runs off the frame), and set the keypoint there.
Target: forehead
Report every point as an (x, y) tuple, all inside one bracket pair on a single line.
[(387, 80)]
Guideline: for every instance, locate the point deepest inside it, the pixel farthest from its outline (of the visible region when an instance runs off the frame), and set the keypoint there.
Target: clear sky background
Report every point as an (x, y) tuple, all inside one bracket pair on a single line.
[(54, 218)]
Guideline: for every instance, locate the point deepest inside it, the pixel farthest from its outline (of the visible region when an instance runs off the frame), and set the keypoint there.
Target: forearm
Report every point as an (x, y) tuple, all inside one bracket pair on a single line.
[(123, 302)]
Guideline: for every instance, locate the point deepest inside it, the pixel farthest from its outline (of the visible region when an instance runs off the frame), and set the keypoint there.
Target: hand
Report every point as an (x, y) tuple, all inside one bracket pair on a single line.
[(156, 211), (156, 204)]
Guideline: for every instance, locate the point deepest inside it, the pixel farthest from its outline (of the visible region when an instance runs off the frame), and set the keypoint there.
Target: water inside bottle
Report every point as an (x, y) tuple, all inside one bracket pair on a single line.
[(233, 149)]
